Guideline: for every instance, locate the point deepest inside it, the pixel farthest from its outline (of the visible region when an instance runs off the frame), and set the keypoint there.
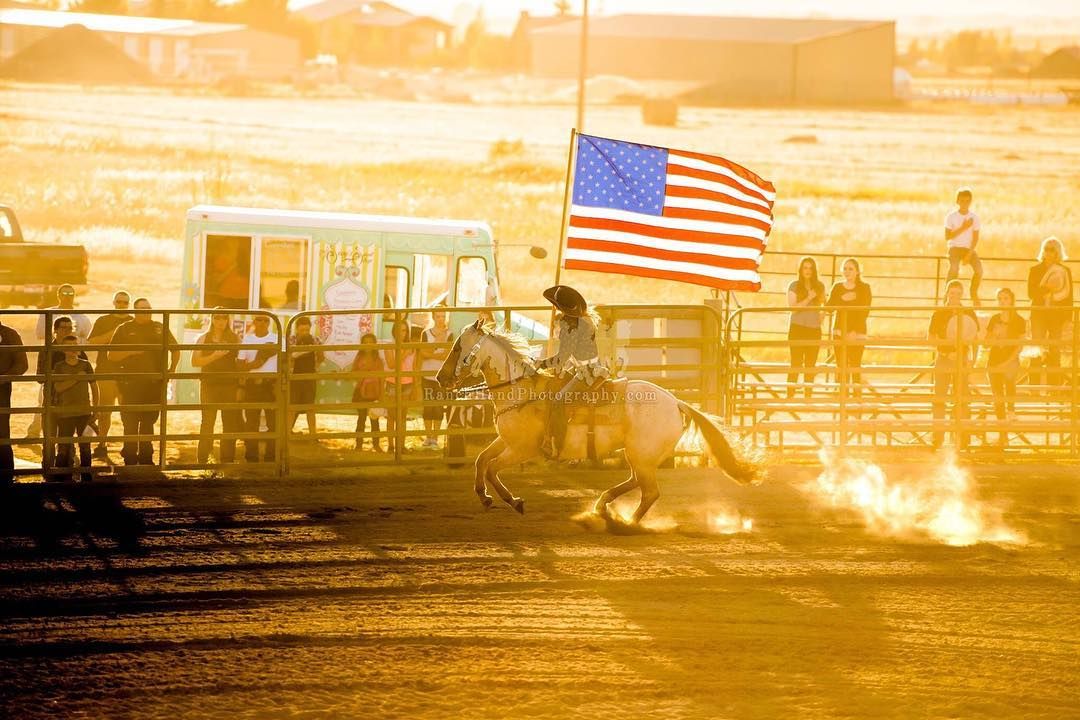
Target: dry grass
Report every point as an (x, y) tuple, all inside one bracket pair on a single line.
[(117, 169)]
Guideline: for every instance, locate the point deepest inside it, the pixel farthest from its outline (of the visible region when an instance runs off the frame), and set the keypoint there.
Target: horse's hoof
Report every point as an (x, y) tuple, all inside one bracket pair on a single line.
[(601, 510), (519, 505), (486, 501)]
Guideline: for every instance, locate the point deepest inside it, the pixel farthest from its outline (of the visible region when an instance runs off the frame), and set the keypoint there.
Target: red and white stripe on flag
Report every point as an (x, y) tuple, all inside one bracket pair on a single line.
[(668, 214)]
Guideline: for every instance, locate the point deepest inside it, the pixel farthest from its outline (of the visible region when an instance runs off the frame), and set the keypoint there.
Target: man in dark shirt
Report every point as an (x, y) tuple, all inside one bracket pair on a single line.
[(108, 388), (12, 362), (953, 330), (144, 383)]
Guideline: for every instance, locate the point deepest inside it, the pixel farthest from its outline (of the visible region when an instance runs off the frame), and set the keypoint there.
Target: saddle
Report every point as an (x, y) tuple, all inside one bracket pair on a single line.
[(603, 403)]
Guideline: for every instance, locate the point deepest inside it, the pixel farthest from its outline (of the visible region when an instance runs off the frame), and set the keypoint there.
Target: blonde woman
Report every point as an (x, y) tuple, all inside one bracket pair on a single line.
[(1050, 288)]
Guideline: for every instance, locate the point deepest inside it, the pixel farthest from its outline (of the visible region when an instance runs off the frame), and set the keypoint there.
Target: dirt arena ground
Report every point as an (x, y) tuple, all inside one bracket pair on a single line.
[(399, 596)]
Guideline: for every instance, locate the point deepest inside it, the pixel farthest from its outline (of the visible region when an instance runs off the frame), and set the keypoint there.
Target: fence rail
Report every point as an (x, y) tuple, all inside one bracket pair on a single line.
[(906, 390), (634, 338)]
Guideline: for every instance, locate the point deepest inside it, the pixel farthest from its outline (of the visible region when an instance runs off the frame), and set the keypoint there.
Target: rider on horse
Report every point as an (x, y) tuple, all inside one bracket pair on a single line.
[(575, 358)]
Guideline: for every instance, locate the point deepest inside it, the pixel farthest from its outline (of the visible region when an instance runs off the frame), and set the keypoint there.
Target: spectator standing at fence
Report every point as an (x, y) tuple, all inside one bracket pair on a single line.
[(108, 389), (403, 362), (431, 360), (74, 391), (806, 295), (260, 387), (216, 390), (1003, 364), (850, 299), (12, 362), (144, 381), (302, 392), (1050, 288), (953, 330), (62, 328), (65, 301), (962, 228), (371, 387)]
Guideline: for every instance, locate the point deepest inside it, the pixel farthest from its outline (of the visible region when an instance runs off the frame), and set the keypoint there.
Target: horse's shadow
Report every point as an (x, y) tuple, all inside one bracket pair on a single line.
[(51, 514)]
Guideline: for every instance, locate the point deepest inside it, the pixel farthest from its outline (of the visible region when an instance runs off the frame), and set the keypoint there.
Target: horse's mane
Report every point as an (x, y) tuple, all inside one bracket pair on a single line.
[(512, 343)]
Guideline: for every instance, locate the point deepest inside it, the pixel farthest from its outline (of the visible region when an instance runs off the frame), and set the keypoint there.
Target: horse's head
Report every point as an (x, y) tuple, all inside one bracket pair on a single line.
[(462, 361)]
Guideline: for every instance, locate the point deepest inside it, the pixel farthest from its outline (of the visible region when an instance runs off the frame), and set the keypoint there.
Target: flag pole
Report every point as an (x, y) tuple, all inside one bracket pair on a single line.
[(565, 219)]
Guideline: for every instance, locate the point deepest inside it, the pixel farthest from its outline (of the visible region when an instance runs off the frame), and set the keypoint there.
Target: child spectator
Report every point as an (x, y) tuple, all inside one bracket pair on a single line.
[(302, 392), (1004, 362), (369, 389), (403, 362), (962, 235), (260, 387), (73, 393), (62, 328)]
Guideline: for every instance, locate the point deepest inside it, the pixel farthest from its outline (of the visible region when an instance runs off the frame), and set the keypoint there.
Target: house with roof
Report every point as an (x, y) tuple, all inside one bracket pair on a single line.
[(373, 33), (735, 59), (169, 49)]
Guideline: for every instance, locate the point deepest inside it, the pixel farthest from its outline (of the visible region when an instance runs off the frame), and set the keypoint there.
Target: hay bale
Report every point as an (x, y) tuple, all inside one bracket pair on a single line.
[(74, 54), (660, 111)]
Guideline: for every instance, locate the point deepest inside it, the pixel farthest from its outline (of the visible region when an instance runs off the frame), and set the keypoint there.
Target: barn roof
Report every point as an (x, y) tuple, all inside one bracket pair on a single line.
[(363, 12), (707, 27), (113, 23)]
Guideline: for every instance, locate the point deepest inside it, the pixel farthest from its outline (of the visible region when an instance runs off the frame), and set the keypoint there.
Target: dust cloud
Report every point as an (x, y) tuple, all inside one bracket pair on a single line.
[(938, 504)]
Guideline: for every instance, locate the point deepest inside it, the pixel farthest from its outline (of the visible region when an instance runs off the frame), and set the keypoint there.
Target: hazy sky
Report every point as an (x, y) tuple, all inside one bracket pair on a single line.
[(500, 12)]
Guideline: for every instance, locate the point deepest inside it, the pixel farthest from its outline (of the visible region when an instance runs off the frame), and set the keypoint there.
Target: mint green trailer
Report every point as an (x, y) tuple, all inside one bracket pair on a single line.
[(247, 258)]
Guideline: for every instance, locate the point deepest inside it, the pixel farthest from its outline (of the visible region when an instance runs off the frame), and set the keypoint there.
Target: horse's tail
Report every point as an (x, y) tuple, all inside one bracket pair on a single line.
[(742, 468)]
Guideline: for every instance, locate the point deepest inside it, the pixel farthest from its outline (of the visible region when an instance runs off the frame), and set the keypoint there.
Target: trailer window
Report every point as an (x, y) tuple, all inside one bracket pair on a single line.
[(471, 281), (227, 273), (5, 226), (396, 287), (282, 276), (432, 279)]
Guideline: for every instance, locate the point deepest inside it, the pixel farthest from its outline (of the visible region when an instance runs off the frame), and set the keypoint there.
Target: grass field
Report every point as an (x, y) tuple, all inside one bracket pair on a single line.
[(116, 170)]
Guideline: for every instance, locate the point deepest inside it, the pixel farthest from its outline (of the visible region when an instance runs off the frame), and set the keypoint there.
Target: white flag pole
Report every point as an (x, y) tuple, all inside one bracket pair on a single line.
[(570, 161)]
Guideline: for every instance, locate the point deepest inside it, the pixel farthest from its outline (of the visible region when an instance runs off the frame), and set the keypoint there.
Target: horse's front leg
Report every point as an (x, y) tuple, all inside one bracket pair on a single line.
[(483, 460), (508, 457)]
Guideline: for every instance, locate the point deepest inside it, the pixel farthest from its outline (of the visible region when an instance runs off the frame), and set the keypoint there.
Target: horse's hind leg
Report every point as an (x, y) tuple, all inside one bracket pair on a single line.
[(650, 491), (600, 507), (483, 460)]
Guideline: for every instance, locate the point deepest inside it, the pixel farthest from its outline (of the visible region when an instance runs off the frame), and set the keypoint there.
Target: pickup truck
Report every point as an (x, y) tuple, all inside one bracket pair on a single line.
[(31, 272)]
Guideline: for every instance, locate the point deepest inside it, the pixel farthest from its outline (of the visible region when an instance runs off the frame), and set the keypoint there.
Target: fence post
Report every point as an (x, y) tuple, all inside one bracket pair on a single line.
[(48, 448), (282, 399), (163, 396), (1075, 382)]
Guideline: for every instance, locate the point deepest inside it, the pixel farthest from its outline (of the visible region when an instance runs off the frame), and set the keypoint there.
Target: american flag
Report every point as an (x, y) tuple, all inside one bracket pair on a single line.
[(668, 214)]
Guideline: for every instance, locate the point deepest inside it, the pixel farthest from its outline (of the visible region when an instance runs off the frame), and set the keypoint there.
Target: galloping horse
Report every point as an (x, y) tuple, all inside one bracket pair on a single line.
[(652, 422)]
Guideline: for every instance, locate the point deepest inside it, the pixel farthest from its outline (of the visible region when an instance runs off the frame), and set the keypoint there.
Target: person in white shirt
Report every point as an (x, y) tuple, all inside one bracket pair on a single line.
[(962, 235), (262, 362)]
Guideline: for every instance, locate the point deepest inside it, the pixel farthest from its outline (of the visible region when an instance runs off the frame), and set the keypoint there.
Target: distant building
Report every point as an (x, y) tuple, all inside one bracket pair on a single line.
[(737, 59), (373, 33), (1062, 64), (169, 49), (521, 39)]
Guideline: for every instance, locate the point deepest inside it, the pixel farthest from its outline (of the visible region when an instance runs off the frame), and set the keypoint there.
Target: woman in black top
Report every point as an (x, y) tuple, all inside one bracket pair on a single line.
[(851, 299), (215, 391), (806, 295)]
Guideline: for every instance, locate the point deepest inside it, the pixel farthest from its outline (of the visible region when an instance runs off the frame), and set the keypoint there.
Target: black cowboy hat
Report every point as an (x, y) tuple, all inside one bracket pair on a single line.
[(568, 300)]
